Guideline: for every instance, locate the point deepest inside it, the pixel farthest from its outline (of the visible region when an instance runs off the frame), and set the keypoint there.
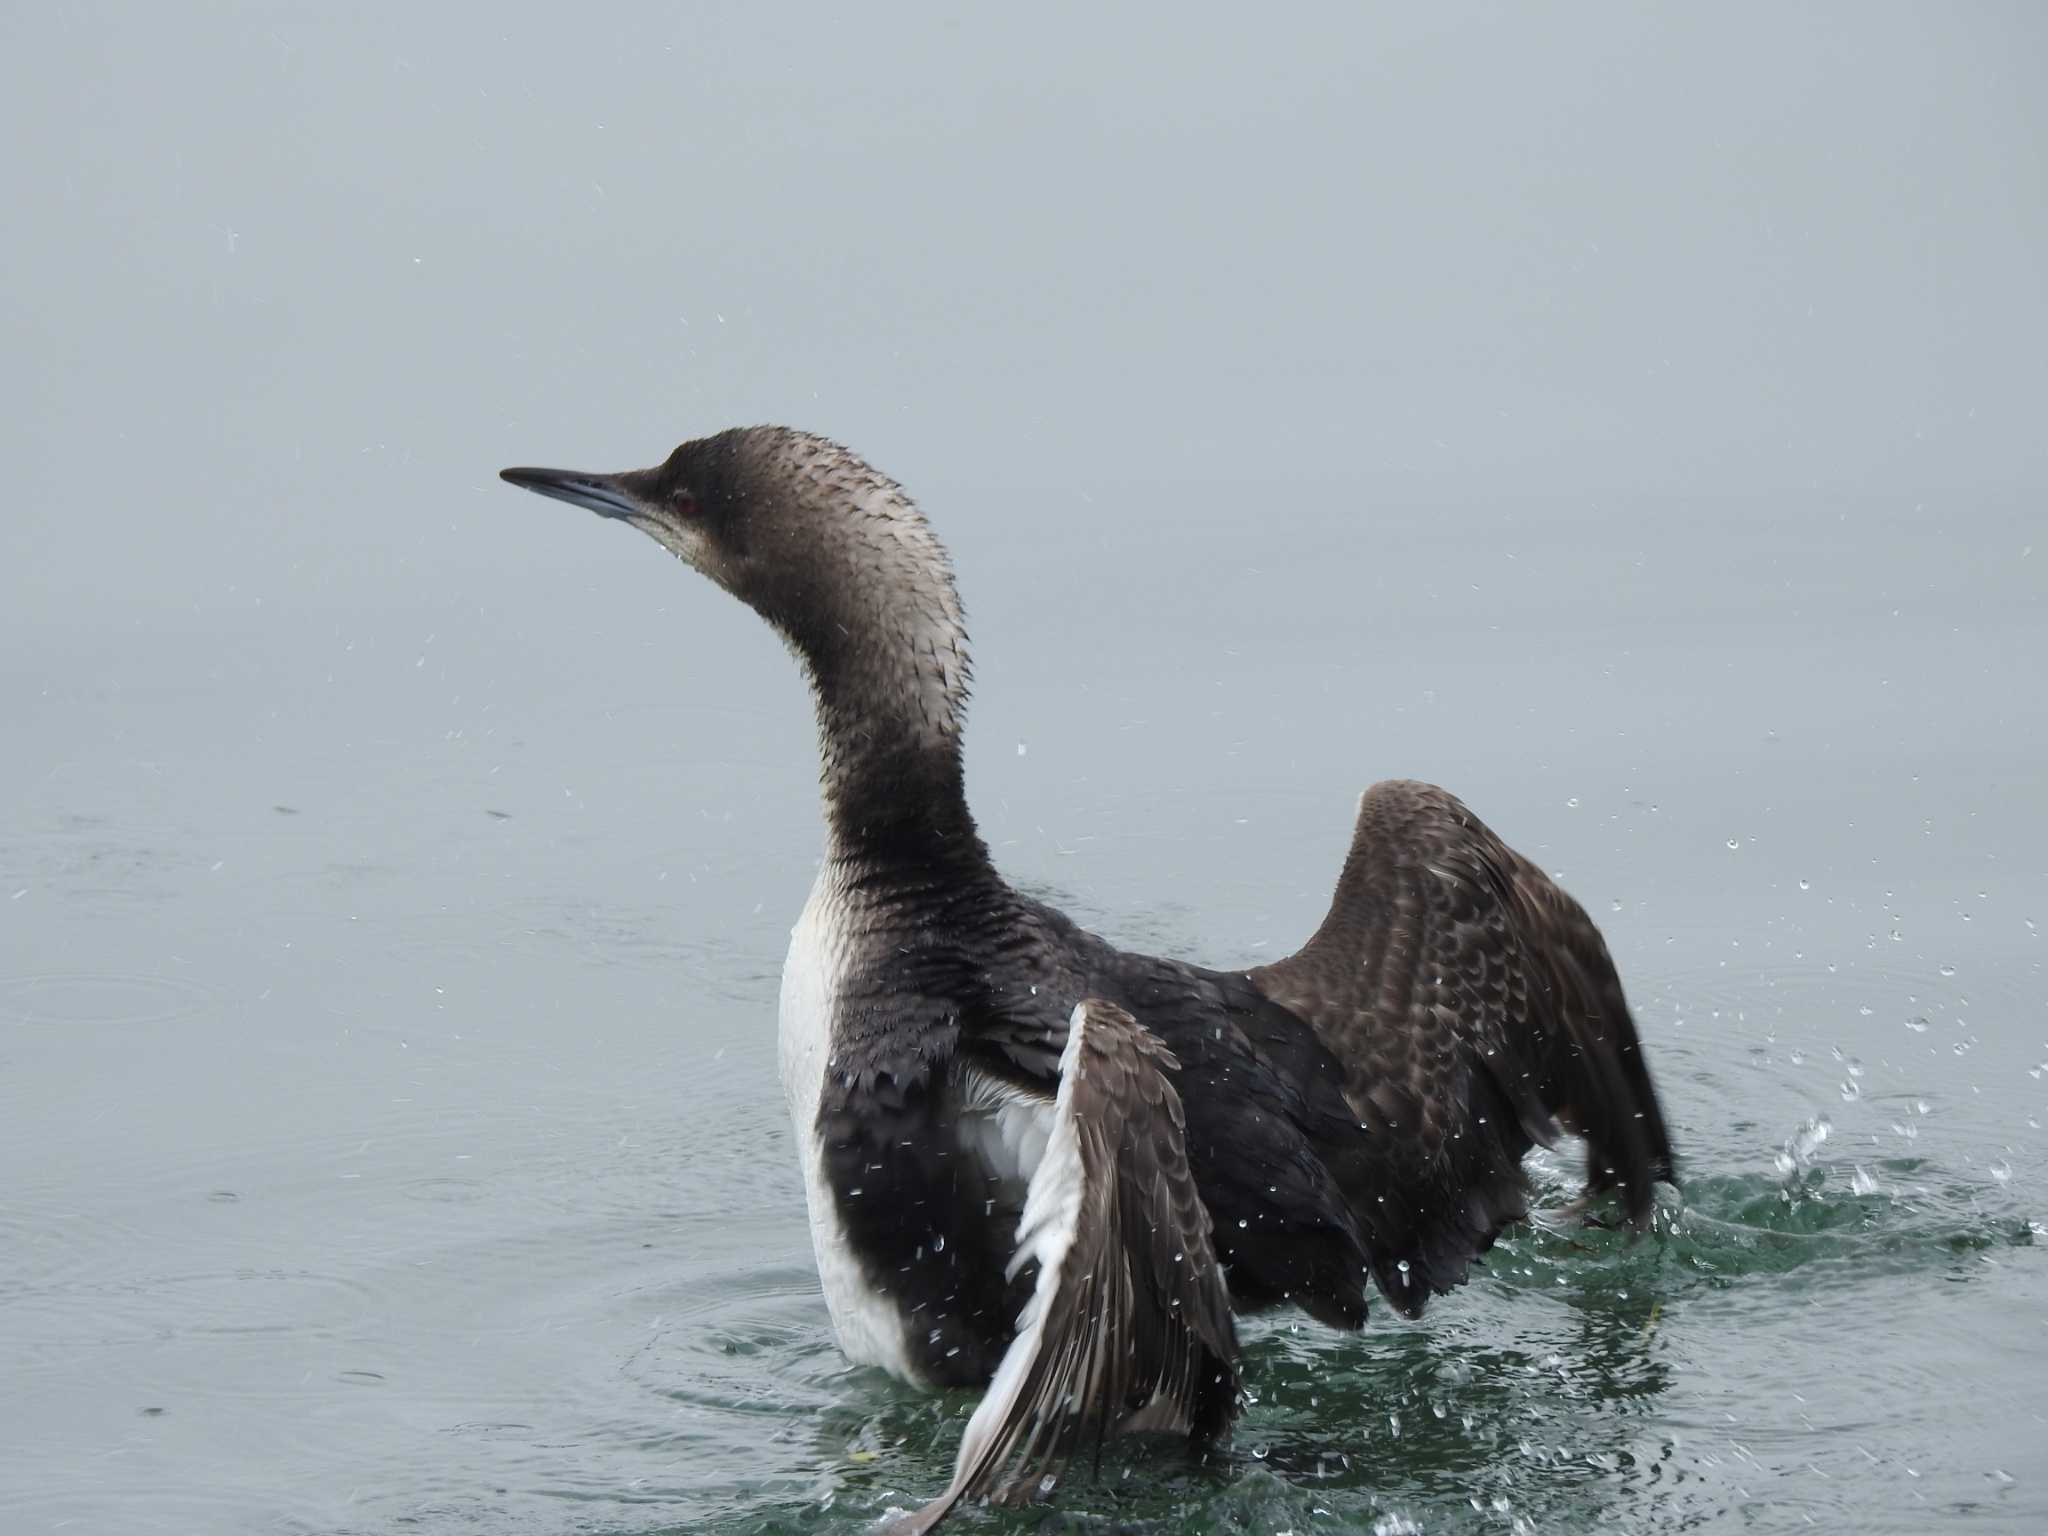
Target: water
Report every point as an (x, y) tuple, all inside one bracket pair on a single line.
[(389, 1091), (395, 869)]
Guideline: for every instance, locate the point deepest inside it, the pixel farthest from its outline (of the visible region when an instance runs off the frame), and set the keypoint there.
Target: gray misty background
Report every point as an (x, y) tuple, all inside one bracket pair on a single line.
[(1631, 417)]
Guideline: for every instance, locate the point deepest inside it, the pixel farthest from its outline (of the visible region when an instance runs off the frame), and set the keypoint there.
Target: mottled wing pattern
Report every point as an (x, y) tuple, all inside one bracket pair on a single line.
[(1475, 1010), (1128, 1326)]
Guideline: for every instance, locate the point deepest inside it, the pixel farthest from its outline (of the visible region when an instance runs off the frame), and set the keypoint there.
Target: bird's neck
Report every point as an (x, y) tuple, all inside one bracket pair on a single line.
[(893, 794), (862, 590), (890, 686)]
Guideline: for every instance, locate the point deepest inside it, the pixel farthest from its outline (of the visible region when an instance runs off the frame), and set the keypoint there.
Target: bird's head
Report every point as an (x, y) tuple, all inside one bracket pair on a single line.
[(827, 549)]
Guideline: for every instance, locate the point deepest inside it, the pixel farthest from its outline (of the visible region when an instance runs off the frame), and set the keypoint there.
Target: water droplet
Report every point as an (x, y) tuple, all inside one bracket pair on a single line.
[(1917, 1024), (1948, 970), (1573, 802), (1861, 1183), (1734, 843), (1806, 885), (1850, 1091), (938, 1242), (2002, 1171), (1797, 1058), (1797, 1152)]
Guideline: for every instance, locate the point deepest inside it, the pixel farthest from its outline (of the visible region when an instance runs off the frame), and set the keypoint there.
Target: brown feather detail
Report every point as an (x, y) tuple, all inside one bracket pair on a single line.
[(1129, 1326), (1473, 1006)]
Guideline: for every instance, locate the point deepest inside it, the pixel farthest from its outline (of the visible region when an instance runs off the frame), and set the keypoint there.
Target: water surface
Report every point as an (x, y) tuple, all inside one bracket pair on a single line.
[(389, 1081)]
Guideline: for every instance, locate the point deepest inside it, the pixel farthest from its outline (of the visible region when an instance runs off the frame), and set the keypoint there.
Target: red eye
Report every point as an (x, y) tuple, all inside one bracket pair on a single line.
[(684, 503)]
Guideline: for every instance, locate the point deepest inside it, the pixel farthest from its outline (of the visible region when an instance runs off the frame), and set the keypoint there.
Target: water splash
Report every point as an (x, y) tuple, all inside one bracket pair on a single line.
[(1796, 1156)]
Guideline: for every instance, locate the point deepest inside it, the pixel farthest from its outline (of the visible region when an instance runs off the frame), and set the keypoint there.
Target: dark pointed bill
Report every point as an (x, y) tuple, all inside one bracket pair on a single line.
[(601, 494)]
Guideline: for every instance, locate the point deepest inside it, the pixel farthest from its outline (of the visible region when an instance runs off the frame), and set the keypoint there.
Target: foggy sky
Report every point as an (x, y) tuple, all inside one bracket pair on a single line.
[(284, 285)]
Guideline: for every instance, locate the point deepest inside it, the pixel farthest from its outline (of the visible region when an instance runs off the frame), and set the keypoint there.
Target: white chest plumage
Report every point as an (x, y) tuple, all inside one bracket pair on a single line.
[(869, 1326), (1003, 1127)]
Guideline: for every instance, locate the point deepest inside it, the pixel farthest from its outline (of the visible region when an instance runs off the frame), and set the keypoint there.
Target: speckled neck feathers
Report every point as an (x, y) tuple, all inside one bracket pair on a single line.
[(867, 601)]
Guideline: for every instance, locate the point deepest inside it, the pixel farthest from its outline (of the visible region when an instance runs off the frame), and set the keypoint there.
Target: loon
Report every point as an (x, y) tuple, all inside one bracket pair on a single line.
[(1041, 1165)]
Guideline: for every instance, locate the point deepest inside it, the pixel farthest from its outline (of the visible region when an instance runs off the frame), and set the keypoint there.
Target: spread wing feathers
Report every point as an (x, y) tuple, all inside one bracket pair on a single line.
[(1128, 1326), (1475, 1010)]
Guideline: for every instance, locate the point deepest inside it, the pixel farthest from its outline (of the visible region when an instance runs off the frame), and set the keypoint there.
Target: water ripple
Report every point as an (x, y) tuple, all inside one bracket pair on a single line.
[(100, 998)]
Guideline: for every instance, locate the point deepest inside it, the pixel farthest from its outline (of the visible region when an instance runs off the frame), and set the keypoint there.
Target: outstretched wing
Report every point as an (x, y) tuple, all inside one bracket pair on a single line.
[(1475, 1010), (1128, 1326)]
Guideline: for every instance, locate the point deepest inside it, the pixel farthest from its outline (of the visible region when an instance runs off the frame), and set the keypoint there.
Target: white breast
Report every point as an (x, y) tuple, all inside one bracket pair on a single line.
[(869, 1326)]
